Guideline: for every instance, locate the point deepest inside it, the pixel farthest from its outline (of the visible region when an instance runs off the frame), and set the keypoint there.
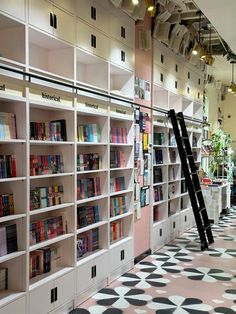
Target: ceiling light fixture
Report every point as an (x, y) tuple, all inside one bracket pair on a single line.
[(135, 2)]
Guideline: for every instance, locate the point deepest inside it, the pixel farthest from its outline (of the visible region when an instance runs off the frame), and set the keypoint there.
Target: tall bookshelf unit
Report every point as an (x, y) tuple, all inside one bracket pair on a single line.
[(176, 85), (78, 188)]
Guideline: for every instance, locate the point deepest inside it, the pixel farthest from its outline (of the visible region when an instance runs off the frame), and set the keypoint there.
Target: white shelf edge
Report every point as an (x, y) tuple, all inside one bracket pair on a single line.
[(12, 141), (49, 242), (124, 168), (11, 217), (91, 171), (121, 192), (45, 105), (63, 174), (159, 146), (184, 194), (91, 226), (121, 144), (36, 142), (120, 216), (11, 256), (160, 183), (90, 112), (90, 199), (91, 143), (12, 179), (9, 296), (156, 223), (175, 180), (48, 209), (120, 242), (174, 197), (159, 202), (160, 165), (90, 256), (44, 278)]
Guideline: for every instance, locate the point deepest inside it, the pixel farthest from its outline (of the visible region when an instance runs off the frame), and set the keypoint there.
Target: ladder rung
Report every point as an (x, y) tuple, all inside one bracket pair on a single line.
[(193, 173), (190, 155), (185, 137), (202, 209), (207, 227), (198, 191)]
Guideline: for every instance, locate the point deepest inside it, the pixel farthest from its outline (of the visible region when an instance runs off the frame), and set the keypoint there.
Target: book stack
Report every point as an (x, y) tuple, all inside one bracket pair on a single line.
[(8, 239), (43, 261), (48, 131), (6, 205), (89, 133), (159, 138), (88, 162), (172, 154), (87, 242), (157, 175), (158, 193), (155, 213), (88, 187), (7, 126), (118, 135), (7, 166), (172, 189), (157, 157), (117, 159), (3, 279), (46, 164), (47, 229), (46, 196), (117, 184), (87, 215), (117, 206), (116, 230)]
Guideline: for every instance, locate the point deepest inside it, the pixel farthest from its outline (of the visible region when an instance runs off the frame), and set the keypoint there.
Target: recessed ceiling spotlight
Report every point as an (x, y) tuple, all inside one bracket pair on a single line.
[(135, 2)]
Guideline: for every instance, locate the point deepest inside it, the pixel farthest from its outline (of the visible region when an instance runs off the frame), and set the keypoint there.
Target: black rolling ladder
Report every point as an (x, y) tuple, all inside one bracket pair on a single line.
[(191, 178)]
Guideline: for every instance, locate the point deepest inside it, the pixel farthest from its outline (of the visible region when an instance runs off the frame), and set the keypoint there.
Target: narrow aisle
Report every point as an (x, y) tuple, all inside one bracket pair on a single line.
[(177, 279)]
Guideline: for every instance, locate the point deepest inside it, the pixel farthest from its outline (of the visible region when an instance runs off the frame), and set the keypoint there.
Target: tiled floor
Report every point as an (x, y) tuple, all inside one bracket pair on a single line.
[(177, 279)]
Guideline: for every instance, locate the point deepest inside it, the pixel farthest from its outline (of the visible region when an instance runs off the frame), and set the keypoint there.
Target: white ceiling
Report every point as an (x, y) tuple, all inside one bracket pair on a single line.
[(221, 14)]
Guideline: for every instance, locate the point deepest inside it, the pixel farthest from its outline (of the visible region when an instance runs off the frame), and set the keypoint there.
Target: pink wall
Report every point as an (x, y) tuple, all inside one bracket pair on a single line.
[(143, 69)]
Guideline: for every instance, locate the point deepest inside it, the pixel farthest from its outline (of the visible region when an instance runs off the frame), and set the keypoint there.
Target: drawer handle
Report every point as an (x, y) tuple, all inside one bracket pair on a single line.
[(55, 21), (51, 19)]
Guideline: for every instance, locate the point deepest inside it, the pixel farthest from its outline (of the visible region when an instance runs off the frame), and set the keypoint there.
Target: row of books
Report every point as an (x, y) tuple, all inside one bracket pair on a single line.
[(157, 157), (158, 193), (6, 205), (43, 261), (172, 190), (117, 206), (3, 279), (89, 133), (48, 131), (7, 166), (118, 135), (88, 162), (117, 184), (8, 239), (7, 126), (183, 186), (116, 230), (46, 164), (117, 159), (45, 196), (157, 175), (87, 215), (47, 228), (159, 138), (87, 242), (88, 187)]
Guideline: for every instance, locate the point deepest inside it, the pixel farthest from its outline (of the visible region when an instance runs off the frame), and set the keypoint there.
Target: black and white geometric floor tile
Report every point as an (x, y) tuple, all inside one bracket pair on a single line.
[(159, 267), (221, 252), (142, 280), (173, 257), (206, 274)]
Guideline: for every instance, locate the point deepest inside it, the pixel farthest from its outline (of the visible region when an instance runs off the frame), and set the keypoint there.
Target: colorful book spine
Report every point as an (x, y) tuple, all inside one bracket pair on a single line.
[(117, 159), (87, 215), (117, 184), (6, 205), (87, 242), (88, 162), (89, 133), (46, 164), (47, 229), (42, 197), (7, 126), (88, 187), (48, 131), (117, 206), (7, 166), (118, 135)]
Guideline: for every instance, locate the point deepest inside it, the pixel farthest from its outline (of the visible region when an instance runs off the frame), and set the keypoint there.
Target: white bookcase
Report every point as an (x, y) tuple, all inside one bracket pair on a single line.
[(178, 86), (62, 41)]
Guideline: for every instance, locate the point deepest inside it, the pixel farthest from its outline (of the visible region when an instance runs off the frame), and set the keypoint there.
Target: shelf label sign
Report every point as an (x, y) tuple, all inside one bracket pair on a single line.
[(50, 97), (120, 112), (12, 89), (90, 106)]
